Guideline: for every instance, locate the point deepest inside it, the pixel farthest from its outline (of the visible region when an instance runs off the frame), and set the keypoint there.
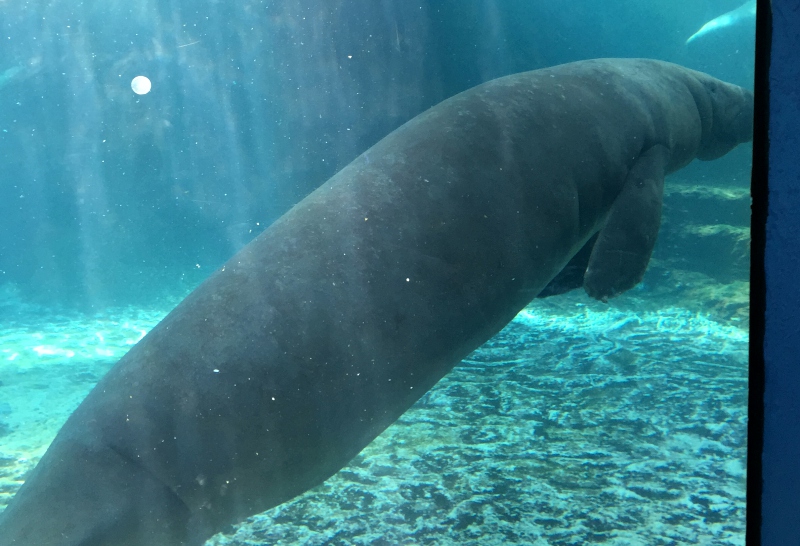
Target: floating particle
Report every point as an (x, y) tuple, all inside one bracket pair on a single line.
[(141, 85)]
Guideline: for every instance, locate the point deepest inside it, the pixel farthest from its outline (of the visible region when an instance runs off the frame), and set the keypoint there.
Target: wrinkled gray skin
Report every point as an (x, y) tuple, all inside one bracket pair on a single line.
[(320, 333)]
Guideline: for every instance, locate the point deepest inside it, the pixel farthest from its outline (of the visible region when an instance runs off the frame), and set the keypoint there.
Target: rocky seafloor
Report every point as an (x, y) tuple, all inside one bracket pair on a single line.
[(579, 423)]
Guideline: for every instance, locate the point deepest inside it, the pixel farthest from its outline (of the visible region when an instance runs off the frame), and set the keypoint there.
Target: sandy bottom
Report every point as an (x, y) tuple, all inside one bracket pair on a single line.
[(579, 423)]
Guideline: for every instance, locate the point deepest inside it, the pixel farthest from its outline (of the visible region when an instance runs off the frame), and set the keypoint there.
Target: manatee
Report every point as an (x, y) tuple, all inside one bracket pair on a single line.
[(743, 15), (316, 336)]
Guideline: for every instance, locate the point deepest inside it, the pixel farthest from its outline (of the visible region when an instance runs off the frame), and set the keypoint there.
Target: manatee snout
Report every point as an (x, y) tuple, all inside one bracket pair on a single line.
[(732, 111)]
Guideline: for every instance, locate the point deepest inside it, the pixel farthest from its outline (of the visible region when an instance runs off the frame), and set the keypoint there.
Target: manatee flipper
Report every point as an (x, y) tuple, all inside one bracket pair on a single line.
[(624, 245)]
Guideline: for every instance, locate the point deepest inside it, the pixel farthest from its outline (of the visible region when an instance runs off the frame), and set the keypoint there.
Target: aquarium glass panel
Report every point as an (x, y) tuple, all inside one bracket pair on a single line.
[(359, 272)]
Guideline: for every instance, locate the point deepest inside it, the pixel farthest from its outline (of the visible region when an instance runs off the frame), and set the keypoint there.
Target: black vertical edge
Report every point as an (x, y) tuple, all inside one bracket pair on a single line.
[(758, 292)]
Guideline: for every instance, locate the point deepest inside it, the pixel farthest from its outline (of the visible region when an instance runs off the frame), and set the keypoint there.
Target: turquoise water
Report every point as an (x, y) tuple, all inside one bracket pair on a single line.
[(579, 423)]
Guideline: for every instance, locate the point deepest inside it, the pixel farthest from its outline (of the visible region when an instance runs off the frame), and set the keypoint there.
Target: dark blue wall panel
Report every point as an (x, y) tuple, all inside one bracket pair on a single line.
[(781, 451)]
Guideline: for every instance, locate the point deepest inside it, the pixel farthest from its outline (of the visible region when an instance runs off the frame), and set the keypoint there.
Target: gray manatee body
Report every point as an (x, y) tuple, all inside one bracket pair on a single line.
[(319, 334)]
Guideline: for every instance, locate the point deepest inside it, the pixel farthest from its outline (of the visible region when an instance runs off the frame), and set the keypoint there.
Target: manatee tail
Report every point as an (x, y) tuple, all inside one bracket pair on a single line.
[(745, 12)]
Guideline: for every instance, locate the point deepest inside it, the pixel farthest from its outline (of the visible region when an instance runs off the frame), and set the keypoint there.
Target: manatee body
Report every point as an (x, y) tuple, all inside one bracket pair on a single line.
[(319, 334)]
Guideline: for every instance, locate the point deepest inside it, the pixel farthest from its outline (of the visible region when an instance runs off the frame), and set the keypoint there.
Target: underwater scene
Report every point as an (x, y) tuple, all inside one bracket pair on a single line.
[(374, 272)]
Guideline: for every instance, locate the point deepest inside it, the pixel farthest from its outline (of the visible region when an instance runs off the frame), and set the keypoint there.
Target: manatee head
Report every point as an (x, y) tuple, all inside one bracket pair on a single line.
[(726, 112)]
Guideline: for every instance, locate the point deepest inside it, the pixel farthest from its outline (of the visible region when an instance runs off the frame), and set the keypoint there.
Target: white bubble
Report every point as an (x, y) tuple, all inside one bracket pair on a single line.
[(141, 85)]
